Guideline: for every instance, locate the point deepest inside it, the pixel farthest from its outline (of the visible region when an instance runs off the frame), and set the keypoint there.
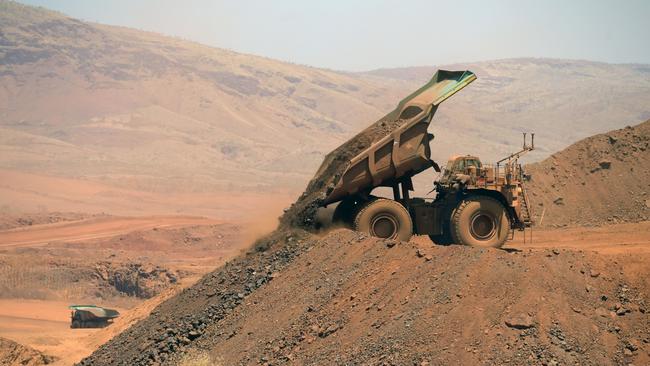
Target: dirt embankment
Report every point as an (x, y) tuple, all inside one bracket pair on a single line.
[(349, 299), (600, 180), (180, 321), (15, 354)]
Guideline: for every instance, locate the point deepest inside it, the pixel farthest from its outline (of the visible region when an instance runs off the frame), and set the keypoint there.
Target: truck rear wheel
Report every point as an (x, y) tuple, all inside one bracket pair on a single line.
[(384, 218), (480, 221)]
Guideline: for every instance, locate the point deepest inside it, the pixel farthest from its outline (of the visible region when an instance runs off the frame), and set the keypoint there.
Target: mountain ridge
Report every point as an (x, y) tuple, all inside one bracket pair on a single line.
[(136, 109)]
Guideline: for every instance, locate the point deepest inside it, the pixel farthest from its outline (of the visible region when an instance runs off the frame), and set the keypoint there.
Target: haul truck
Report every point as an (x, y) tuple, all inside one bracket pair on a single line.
[(475, 204), (91, 316)]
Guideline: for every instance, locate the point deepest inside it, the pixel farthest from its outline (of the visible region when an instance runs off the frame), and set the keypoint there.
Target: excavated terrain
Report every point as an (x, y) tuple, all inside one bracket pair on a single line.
[(346, 298), (602, 179)]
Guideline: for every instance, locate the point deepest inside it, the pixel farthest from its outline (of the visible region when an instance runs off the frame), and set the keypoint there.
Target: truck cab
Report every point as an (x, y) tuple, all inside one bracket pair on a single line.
[(466, 166)]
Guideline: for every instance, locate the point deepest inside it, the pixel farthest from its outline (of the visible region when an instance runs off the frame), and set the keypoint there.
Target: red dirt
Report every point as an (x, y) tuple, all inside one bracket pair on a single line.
[(361, 300), (15, 354), (44, 268), (8, 221), (573, 296), (599, 180)]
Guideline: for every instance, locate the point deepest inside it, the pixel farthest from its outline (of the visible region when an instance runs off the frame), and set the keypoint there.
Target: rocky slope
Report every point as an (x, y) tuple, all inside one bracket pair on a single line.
[(344, 298), (601, 179), (349, 299)]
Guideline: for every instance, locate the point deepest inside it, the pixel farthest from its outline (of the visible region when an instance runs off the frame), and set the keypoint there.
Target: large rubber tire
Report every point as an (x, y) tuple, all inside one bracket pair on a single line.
[(384, 218), (480, 221), (75, 324)]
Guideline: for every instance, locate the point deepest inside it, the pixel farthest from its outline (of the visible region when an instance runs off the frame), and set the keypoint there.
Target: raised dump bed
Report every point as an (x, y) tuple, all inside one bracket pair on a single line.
[(404, 151)]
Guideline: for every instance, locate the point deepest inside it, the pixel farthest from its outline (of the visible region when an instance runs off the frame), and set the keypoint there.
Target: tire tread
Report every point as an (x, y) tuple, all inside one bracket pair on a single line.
[(368, 204), (455, 217)]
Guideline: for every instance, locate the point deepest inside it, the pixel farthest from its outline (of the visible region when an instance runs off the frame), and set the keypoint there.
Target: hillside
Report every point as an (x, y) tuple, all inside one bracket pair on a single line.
[(348, 299), (602, 179), (140, 110), (115, 112)]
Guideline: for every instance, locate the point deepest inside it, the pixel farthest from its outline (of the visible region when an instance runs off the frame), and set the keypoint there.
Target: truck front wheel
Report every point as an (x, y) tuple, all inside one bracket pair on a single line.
[(480, 221), (384, 218)]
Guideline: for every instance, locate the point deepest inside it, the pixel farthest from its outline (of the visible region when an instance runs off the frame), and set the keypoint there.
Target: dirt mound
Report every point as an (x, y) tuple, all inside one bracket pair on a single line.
[(183, 319), (350, 299), (601, 179), (15, 354)]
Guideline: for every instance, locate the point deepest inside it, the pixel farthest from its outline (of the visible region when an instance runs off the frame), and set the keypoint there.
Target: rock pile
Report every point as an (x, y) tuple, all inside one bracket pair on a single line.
[(346, 298), (603, 179)]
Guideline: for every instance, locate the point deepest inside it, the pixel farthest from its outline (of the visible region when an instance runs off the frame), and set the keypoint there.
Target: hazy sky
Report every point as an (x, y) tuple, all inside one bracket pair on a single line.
[(362, 35)]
